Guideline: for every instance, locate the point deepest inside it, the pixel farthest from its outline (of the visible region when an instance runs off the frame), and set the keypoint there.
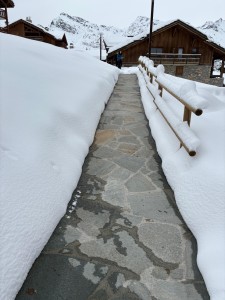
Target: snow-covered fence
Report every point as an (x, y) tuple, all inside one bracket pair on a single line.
[(156, 82)]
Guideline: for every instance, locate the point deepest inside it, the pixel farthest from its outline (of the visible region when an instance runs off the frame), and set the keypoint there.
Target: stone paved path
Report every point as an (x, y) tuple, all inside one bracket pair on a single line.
[(125, 239)]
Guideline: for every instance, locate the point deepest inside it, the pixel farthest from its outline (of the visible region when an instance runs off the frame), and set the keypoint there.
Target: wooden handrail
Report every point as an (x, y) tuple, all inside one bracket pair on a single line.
[(188, 108), (197, 111), (190, 151)]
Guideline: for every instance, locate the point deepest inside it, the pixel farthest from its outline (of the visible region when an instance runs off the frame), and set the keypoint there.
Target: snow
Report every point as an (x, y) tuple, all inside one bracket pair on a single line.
[(185, 92), (181, 128), (215, 31), (198, 182), (82, 33), (51, 103)]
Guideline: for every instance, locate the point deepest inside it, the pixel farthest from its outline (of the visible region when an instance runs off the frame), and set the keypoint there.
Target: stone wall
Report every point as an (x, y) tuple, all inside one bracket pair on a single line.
[(200, 73)]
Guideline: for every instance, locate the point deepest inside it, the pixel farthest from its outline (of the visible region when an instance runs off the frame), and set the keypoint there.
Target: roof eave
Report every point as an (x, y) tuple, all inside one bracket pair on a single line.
[(36, 27), (8, 3)]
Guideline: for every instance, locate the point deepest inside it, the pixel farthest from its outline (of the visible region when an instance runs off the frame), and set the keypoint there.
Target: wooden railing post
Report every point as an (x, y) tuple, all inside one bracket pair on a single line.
[(187, 116), (151, 78), (161, 90)]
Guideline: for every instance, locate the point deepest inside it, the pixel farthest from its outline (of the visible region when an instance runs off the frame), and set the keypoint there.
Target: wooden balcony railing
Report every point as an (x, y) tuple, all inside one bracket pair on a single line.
[(175, 59), (36, 38)]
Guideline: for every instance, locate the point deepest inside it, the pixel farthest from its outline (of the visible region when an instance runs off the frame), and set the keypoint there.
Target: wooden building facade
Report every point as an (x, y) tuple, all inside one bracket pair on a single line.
[(4, 5), (28, 30), (176, 44)]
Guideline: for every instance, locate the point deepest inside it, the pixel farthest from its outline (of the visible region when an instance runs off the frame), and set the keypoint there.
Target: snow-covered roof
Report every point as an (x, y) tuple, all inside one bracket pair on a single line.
[(159, 26), (43, 29)]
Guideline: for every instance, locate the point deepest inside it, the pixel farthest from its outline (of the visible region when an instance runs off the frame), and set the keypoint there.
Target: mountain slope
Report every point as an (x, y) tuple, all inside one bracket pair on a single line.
[(139, 26), (85, 35), (82, 33), (215, 31)]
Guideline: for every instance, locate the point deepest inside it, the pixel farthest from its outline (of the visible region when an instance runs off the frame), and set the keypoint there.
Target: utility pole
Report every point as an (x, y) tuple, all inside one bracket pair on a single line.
[(100, 46), (150, 32)]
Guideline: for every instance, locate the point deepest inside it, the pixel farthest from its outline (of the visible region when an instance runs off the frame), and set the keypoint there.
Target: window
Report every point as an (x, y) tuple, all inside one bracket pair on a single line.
[(156, 50), (180, 52), (194, 50)]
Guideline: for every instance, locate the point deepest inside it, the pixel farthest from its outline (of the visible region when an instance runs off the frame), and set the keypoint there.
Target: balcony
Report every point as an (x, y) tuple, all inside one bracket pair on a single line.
[(175, 59)]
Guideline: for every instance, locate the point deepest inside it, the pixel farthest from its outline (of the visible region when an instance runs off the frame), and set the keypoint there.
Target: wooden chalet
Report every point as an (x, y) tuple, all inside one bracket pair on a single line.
[(4, 5), (181, 48), (28, 30)]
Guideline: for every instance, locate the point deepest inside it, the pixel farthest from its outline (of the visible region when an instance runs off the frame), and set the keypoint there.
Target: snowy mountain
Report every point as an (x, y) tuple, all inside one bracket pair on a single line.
[(85, 35), (215, 31), (139, 26), (82, 33)]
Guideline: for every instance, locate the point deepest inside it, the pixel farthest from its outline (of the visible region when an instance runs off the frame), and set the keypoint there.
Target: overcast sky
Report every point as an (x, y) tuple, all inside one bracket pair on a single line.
[(119, 13)]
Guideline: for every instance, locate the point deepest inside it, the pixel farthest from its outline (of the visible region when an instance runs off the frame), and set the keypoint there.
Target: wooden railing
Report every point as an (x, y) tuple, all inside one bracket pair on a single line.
[(157, 82), (175, 59), (36, 38)]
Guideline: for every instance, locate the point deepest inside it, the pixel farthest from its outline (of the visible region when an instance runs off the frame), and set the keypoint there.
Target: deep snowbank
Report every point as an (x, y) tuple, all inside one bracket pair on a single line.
[(51, 102), (198, 182)]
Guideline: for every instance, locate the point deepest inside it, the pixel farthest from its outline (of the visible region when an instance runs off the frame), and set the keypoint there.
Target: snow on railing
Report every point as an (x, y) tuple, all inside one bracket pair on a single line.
[(186, 94)]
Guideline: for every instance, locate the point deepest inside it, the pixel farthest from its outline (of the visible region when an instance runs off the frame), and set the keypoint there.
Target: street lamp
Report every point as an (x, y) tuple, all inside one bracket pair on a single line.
[(150, 32)]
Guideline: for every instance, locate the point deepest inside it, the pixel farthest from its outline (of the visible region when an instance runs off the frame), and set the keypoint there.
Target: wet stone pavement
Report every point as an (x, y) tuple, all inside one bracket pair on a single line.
[(122, 237)]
